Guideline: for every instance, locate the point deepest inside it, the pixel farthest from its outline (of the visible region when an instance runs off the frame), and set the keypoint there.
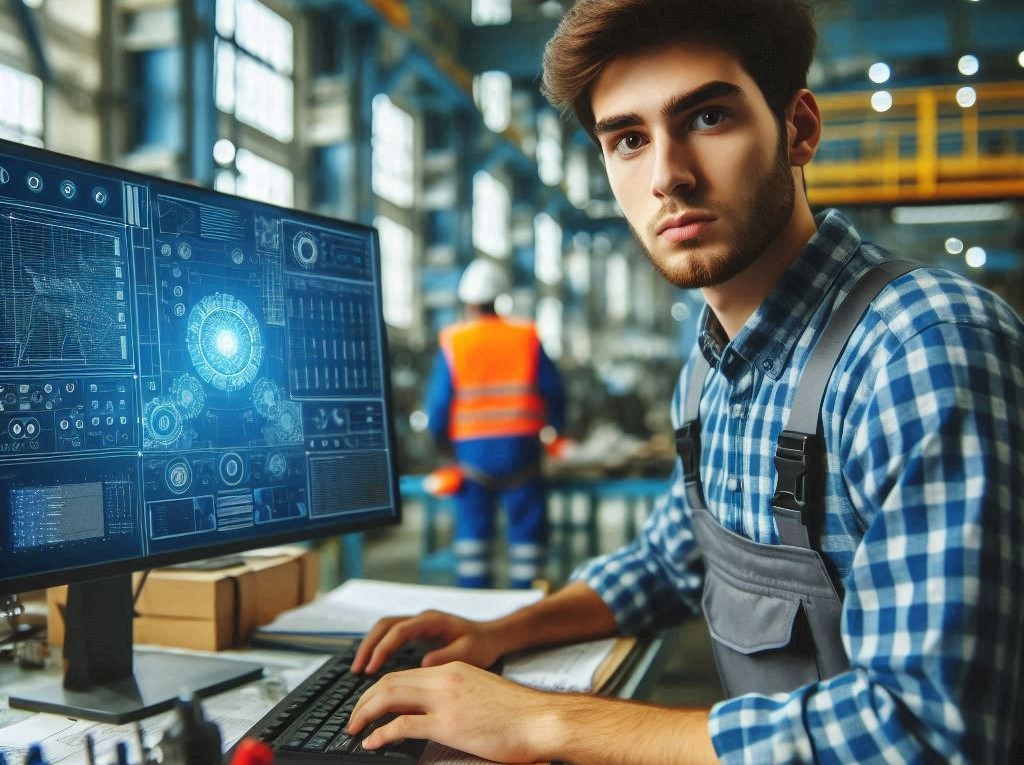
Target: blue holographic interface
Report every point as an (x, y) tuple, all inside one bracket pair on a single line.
[(181, 371)]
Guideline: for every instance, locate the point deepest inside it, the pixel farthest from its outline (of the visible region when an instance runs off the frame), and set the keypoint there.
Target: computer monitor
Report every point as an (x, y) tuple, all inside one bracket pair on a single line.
[(183, 374)]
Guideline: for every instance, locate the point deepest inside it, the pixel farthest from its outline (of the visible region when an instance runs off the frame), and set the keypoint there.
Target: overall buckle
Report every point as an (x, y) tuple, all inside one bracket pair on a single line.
[(688, 449), (797, 458)]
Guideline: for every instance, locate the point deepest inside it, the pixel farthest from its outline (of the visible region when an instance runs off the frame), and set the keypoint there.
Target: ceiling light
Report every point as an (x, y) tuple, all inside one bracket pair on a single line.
[(881, 100), (224, 152), (681, 311), (966, 97), (954, 246), (967, 65), (1020, 58), (980, 213), (880, 72), (975, 257)]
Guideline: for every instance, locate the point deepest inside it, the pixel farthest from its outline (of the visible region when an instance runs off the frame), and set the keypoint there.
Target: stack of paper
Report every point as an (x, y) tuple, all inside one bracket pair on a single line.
[(353, 608)]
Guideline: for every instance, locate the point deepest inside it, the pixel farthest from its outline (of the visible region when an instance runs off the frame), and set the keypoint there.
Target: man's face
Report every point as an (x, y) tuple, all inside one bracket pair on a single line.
[(695, 159)]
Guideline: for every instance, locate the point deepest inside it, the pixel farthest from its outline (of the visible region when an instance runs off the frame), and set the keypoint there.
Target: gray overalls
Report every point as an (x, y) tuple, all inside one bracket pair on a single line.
[(774, 611)]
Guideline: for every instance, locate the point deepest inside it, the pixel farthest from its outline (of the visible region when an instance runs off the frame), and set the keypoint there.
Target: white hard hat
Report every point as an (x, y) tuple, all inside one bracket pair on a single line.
[(481, 282)]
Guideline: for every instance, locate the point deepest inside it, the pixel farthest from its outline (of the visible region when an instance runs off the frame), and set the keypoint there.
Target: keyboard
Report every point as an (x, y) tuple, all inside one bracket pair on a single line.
[(308, 725)]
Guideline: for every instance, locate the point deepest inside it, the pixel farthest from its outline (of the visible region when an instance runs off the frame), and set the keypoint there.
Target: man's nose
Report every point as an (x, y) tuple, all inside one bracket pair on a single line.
[(673, 171)]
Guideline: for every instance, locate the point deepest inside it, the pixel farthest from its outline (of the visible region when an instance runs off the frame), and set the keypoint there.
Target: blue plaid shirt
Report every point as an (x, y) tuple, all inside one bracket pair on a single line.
[(924, 427)]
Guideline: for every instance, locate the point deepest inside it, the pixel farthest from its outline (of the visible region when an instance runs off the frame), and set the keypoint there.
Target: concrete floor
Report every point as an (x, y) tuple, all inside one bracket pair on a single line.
[(688, 676)]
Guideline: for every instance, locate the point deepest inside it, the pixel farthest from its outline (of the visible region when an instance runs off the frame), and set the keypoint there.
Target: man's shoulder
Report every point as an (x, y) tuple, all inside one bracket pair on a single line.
[(930, 296)]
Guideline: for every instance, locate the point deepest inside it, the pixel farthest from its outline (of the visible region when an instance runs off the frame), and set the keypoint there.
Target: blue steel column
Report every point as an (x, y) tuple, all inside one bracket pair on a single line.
[(33, 40), (366, 85), (198, 32)]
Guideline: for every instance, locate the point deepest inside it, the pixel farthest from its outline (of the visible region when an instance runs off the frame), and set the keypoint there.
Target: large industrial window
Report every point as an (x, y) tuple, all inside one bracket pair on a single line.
[(549, 325), (255, 55), (392, 140), (486, 12), (617, 288), (21, 106), (547, 263), (258, 178), (396, 255), (492, 210), (493, 94), (549, 148)]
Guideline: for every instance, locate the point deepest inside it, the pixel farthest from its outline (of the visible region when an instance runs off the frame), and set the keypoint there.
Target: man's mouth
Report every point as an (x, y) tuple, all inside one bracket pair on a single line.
[(683, 228)]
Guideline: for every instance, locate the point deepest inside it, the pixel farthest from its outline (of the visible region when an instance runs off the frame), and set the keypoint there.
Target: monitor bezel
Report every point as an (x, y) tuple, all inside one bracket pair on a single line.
[(57, 577)]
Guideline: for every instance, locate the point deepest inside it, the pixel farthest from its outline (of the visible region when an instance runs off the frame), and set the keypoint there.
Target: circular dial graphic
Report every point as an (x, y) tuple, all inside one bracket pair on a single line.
[(304, 249), (224, 341), (232, 468), (178, 475)]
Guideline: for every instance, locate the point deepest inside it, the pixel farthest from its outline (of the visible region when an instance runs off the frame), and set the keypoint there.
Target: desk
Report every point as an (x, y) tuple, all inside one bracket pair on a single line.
[(235, 710)]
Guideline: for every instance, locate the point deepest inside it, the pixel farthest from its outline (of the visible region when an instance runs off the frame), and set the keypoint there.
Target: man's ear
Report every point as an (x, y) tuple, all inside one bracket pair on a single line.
[(803, 125)]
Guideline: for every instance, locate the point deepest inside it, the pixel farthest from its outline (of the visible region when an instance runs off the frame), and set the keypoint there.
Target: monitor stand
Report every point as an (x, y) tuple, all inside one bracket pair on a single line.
[(105, 680)]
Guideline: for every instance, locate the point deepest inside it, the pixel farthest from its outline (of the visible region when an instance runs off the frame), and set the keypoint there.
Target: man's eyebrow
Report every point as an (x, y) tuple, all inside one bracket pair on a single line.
[(707, 92), (676, 105)]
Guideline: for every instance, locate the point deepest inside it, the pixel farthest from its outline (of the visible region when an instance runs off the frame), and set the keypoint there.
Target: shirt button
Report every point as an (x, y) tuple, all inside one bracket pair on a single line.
[(737, 410), (733, 484), (767, 365)]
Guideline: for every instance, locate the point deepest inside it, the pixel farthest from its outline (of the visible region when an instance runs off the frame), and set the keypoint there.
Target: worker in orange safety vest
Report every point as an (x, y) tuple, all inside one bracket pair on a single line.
[(491, 392)]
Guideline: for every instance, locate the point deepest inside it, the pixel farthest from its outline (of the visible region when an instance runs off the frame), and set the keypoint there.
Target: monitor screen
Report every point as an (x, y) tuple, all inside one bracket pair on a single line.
[(183, 373)]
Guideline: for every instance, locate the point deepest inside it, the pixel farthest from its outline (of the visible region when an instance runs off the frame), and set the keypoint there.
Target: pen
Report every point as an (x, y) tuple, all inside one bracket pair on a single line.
[(143, 749), (90, 749)]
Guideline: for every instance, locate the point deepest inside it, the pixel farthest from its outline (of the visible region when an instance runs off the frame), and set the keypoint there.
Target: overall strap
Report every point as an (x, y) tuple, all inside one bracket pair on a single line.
[(798, 504), (688, 435)]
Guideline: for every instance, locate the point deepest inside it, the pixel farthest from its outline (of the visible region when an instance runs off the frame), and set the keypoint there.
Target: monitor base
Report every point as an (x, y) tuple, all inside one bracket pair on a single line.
[(158, 679)]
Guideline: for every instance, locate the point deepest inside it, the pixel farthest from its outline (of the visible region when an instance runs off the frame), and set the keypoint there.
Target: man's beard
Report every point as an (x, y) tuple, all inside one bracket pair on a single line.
[(764, 215)]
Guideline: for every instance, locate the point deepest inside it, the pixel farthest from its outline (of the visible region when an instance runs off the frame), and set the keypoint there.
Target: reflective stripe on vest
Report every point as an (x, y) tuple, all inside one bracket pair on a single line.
[(493, 363)]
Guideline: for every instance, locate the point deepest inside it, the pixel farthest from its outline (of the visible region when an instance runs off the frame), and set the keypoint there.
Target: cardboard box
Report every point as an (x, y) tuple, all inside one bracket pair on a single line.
[(212, 610)]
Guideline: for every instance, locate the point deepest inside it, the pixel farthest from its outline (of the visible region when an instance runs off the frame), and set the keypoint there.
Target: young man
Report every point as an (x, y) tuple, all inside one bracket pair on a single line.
[(894, 633), (491, 392)]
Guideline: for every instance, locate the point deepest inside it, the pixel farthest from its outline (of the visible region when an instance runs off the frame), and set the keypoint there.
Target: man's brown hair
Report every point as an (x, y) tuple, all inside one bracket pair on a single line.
[(774, 41)]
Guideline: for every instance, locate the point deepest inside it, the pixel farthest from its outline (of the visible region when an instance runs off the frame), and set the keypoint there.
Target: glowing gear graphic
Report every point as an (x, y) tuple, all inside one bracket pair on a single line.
[(287, 422), (265, 397), (162, 422), (277, 465), (224, 341), (188, 396)]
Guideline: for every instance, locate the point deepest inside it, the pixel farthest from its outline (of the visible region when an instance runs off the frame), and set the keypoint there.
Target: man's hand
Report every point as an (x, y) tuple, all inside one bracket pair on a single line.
[(456, 704), (475, 643), (480, 713)]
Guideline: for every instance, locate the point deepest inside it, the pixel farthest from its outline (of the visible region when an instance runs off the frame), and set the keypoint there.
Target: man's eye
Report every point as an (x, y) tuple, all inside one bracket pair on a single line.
[(628, 144), (710, 118)]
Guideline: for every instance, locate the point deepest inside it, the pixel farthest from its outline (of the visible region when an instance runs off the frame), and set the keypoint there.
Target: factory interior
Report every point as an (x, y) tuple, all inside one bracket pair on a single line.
[(425, 120)]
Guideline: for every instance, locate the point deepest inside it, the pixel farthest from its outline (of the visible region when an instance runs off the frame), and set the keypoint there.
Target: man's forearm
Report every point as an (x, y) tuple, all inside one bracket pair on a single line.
[(589, 730), (572, 614)]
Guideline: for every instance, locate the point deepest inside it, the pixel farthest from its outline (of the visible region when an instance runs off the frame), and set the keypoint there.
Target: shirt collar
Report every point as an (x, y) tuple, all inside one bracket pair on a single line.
[(772, 331)]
